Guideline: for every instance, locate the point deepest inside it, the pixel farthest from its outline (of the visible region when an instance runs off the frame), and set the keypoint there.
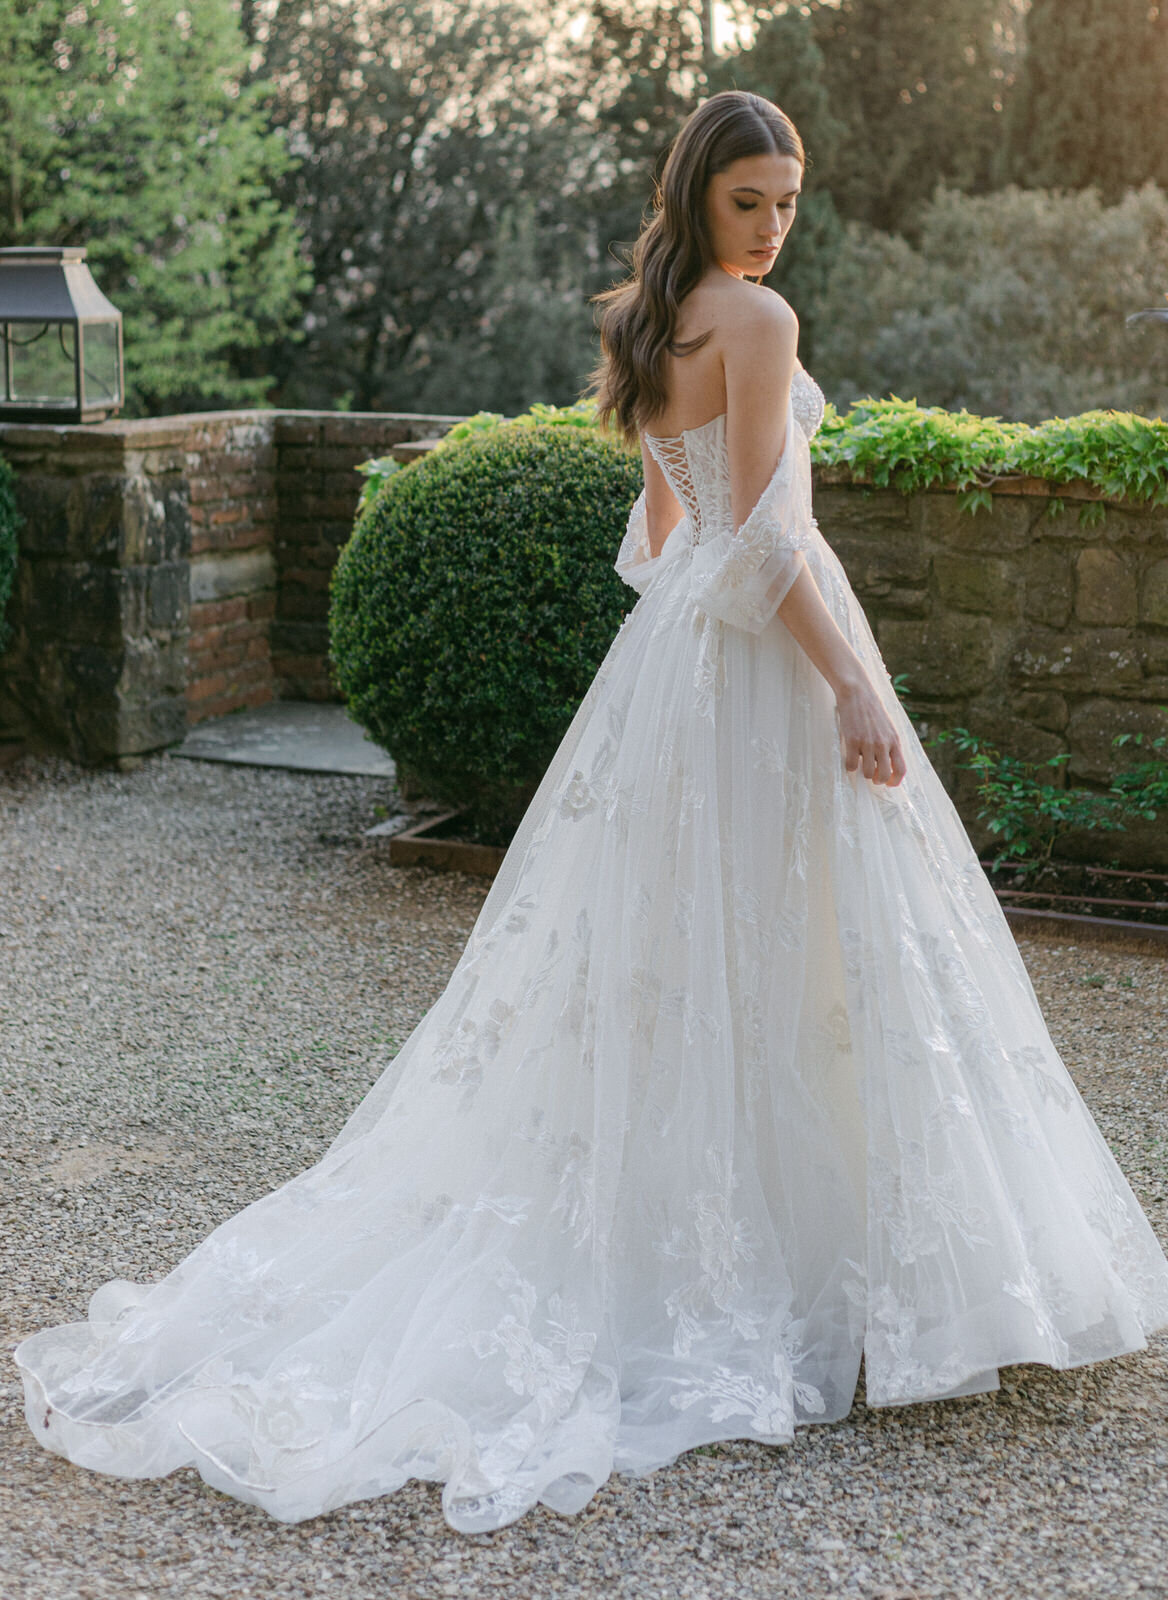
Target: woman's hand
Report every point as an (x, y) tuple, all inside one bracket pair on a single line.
[(867, 733), (870, 740)]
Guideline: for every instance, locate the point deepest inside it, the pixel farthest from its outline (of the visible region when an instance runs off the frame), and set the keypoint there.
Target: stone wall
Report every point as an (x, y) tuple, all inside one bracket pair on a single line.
[(97, 664), (176, 569), (1033, 630)]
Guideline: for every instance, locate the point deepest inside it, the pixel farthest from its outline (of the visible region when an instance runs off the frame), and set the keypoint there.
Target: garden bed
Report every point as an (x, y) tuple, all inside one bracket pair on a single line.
[(445, 841)]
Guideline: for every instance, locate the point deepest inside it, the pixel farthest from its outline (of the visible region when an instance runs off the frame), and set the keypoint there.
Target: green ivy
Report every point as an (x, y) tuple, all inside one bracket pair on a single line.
[(898, 444), (377, 474)]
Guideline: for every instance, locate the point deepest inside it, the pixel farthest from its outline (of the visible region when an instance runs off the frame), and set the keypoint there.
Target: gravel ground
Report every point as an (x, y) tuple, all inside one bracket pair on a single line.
[(203, 969)]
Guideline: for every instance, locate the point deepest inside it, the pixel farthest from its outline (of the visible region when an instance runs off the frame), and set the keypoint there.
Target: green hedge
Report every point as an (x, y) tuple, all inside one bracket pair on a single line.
[(475, 601), (10, 521)]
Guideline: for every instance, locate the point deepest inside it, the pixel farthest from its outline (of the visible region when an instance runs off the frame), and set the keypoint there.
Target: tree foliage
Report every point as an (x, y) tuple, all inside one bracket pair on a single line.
[(1090, 102), (129, 130), (408, 204), (1013, 304), (427, 148), (918, 86)]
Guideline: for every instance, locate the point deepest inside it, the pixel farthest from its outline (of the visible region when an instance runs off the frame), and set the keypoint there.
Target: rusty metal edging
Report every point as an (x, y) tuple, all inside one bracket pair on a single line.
[(1100, 929)]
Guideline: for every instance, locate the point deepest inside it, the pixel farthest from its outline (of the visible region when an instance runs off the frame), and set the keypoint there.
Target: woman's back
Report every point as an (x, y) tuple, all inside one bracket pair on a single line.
[(727, 309)]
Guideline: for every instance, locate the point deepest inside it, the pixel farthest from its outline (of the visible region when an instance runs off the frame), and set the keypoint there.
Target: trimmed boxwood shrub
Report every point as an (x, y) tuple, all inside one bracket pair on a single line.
[(475, 601), (10, 520)]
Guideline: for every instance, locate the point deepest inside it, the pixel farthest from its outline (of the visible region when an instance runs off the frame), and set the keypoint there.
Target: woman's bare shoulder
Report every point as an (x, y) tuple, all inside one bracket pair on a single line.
[(751, 309), (759, 335), (729, 302)]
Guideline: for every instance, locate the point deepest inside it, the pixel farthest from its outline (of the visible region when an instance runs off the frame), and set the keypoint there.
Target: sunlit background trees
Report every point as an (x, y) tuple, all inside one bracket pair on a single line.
[(407, 204)]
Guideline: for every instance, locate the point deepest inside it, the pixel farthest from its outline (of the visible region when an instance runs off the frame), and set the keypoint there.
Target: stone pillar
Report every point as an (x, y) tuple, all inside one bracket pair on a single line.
[(98, 659)]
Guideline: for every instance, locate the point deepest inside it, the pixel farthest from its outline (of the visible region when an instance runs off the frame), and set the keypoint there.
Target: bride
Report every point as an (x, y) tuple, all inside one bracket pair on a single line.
[(740, 1077)]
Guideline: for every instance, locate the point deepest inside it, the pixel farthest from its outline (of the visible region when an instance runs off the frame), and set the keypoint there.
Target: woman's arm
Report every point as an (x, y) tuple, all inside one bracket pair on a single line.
[(870, 740), (759, 360)]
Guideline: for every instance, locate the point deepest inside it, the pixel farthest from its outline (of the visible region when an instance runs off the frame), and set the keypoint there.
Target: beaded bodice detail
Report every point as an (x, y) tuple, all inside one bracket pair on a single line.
[(697, 466)]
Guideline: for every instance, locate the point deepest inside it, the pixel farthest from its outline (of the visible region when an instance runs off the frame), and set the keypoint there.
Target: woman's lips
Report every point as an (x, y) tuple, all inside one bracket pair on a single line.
[(772, 252)]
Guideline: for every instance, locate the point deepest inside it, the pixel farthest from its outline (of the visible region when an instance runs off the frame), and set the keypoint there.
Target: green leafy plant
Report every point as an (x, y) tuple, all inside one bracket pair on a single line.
[(474, 603), (580, 415), (10, 523), (1027, 810), (900, 683), (1144, 786), (899, 444), (377, 473)]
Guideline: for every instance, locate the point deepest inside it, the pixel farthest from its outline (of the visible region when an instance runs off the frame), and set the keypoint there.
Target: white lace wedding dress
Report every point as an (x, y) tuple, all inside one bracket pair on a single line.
[(740, 1076)]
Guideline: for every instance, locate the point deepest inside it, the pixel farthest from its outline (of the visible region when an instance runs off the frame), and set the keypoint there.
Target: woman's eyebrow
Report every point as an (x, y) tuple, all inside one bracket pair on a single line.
[(745, 188)]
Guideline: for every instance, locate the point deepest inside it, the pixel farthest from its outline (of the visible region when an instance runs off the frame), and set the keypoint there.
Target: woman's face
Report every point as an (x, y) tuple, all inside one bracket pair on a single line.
[(750, 209)]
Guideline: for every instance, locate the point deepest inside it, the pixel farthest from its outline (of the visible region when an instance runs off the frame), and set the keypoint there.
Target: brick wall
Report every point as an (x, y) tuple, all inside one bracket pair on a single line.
[(231, 472), (317, 488), (177, 568)]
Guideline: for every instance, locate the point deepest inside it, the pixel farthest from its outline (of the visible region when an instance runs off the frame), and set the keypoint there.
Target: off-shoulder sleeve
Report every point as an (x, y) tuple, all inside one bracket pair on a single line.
[(743, 577), (633, 562)]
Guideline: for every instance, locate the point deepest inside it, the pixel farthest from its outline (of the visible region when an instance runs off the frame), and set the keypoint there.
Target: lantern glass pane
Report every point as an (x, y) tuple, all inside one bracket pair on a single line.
[(41, 356), (100, 376)]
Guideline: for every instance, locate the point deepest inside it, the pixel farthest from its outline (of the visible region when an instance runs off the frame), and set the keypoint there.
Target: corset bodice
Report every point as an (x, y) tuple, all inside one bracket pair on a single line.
[(697, 466)]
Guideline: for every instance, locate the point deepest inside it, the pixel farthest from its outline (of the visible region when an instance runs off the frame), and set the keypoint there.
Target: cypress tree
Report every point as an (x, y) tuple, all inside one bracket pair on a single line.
[(1090, 103), (919, 85)]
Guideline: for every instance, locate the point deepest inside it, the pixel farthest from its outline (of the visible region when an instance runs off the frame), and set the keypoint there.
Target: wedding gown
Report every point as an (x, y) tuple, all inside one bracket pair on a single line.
[(739, 1077)]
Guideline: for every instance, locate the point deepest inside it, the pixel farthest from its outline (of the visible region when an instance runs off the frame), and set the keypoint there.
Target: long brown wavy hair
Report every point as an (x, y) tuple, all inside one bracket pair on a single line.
[(638, 319)]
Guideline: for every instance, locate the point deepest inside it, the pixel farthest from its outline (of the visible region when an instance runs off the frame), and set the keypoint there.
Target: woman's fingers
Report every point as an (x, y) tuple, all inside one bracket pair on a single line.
[(870, 740), (880, 760)]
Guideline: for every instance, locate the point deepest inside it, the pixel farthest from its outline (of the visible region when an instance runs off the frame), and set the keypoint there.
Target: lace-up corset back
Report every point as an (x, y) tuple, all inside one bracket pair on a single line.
[(697, 467)]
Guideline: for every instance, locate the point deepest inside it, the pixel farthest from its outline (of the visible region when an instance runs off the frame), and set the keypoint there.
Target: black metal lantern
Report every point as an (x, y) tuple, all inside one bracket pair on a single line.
[(62, 338)]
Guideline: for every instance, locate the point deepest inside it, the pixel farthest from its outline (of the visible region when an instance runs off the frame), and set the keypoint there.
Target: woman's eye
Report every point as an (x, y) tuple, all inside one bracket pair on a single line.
[(743, 205)]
